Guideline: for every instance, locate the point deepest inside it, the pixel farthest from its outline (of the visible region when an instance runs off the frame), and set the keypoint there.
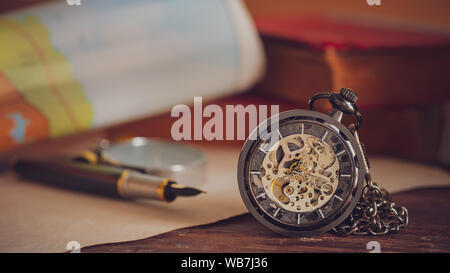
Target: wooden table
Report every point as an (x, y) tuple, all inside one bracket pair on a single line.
[(428, 232)]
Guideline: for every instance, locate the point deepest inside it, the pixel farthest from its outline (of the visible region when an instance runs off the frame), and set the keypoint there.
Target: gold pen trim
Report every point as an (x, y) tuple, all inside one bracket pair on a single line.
[(160, 190), (89, 156), (120, 183)]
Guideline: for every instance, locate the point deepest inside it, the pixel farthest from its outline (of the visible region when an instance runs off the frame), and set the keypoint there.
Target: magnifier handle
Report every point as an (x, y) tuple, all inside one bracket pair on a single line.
[(93, 157)]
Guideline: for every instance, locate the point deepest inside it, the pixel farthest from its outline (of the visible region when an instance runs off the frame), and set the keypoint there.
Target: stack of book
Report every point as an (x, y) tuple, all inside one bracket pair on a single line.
[(401, 77)]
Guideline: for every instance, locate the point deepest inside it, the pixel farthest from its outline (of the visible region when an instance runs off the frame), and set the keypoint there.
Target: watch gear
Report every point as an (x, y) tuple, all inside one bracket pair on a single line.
[(300, 172)]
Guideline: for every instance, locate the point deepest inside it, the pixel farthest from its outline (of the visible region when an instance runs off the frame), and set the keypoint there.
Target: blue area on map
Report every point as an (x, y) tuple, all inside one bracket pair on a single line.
[(20, 124)]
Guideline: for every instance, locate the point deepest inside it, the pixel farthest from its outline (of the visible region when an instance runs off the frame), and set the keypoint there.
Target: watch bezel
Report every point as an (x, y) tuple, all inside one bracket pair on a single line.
[(252, 204)]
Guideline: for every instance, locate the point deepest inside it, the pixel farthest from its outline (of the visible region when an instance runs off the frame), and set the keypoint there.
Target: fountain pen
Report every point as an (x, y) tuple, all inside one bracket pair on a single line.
[(103, 180)]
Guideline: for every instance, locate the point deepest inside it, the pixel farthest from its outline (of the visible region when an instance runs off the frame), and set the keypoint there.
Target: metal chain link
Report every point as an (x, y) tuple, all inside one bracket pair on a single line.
[(375, 213)]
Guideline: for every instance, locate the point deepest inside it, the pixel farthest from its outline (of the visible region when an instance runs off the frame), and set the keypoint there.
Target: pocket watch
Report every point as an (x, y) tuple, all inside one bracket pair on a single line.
[(315, 177)]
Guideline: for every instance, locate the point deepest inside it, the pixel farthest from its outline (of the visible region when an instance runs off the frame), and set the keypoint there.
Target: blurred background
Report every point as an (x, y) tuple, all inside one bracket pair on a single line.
[(76, 72), (395, 55)]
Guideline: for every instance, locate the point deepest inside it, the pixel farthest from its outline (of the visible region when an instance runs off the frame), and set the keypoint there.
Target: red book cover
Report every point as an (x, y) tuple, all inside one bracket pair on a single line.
[(320, 32)]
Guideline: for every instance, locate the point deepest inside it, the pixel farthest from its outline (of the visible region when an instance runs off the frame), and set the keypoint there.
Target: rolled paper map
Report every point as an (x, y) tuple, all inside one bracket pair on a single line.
[(68, 68)]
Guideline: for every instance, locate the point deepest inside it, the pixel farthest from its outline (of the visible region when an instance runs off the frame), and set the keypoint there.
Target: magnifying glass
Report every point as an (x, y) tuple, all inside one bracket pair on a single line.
[(152, 156)]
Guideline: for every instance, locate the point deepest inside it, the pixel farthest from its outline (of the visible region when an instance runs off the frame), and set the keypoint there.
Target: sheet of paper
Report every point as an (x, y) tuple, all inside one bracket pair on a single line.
[(36, 218)]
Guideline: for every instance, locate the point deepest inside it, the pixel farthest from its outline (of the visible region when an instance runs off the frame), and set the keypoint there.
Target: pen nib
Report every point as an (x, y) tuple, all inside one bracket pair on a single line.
[(184, 191)]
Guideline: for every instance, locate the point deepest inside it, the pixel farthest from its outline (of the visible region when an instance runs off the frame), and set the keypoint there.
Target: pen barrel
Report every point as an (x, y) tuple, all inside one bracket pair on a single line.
[(95, 179)]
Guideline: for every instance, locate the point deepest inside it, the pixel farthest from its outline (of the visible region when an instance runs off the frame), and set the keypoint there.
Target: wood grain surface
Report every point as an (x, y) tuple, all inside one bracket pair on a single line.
[(428, 231)]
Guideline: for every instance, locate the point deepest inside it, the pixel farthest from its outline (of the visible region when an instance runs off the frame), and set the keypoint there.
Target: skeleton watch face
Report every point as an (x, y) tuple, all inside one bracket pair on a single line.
[(305, 183)]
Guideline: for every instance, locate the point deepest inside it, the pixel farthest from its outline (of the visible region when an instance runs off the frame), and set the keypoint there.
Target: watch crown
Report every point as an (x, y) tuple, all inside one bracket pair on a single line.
[(349, 95)]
